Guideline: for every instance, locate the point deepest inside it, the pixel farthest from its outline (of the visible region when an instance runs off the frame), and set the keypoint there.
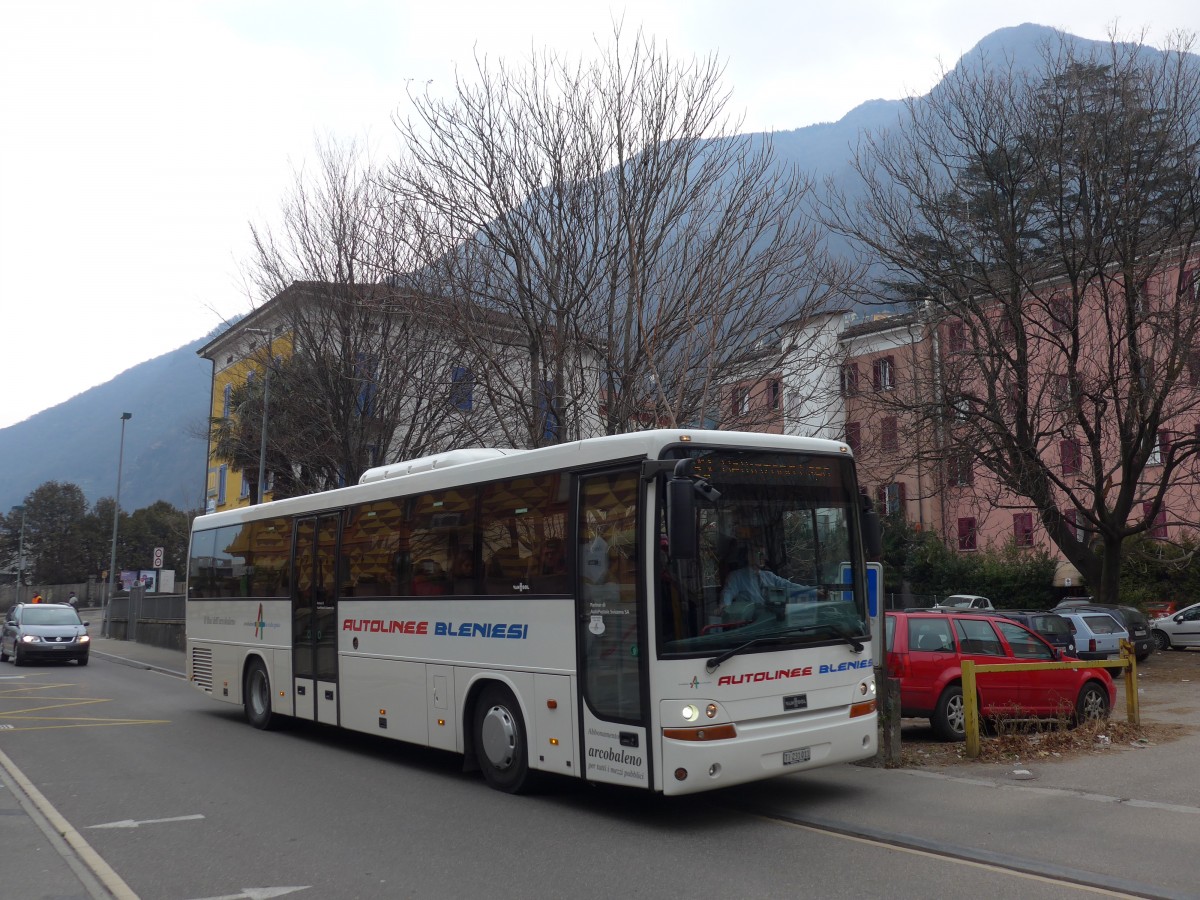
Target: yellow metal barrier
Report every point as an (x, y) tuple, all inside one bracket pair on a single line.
[(1128, 662)]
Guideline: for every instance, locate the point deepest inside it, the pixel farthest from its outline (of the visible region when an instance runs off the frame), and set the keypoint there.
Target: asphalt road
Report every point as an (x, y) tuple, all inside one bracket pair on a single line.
[(182, 800)]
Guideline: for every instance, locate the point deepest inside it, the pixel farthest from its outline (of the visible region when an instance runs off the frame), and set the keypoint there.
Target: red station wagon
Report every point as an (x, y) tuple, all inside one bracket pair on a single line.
[(925, 651)]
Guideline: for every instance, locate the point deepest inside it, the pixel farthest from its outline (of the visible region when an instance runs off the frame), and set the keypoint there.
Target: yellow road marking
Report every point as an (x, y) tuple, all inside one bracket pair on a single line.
[(35, 694)]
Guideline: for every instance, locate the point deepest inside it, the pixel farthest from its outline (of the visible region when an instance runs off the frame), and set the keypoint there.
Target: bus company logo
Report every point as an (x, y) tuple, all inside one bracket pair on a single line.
[(756, 677), (520, 587), (260, 626), (694, 684), (509, 631)]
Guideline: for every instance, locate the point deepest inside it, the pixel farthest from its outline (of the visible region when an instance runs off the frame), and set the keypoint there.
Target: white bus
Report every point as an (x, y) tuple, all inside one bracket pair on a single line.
[(672, 610)]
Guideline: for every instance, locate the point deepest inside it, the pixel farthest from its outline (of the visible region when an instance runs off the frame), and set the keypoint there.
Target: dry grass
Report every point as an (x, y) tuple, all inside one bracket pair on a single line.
[(1025, 741)]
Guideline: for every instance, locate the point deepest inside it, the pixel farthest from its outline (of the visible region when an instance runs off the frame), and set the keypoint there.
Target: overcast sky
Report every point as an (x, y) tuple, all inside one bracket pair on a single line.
[(140, 137)]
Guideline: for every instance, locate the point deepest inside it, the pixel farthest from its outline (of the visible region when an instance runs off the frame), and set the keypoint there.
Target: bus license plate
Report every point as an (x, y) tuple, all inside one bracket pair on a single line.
[(791, 757)]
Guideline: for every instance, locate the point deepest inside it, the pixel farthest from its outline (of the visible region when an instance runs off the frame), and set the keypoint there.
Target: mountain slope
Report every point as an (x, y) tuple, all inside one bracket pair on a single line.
[(165, 450), (78, 441)]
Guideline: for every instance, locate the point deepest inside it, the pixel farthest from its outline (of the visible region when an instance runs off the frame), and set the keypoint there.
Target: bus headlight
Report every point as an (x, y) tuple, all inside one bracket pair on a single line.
[(867, 688), (690, 713)]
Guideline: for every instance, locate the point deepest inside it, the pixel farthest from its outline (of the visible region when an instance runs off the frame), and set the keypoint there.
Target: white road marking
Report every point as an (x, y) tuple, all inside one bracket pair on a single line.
[(132, 823), (259, 893)]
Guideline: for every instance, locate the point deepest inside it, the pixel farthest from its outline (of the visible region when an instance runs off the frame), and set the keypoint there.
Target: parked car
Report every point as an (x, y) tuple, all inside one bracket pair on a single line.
[(1133, 620), (1177, 631), (1158, 610), (965, 601), (925, 650), (1098, 633), (45, 631), (1051, 626)]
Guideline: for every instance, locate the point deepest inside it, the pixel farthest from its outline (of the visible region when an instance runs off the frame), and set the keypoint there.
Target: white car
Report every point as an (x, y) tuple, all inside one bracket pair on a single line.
[(965, 602), (1177, 631), (1097, 634)]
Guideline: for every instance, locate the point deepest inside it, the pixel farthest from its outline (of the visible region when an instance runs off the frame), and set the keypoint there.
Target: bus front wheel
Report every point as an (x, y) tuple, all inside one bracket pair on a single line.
[(501, 746), (256, 696)]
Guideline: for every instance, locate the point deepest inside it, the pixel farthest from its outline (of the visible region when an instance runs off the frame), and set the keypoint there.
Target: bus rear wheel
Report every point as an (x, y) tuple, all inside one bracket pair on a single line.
[(256, 696), (501, 746)]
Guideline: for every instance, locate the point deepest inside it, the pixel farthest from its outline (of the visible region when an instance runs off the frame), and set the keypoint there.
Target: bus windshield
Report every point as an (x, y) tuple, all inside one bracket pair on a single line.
[(773, 566)]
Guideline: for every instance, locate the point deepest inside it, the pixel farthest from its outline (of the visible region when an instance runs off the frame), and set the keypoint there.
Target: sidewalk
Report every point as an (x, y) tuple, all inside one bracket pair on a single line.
[(146, 656)]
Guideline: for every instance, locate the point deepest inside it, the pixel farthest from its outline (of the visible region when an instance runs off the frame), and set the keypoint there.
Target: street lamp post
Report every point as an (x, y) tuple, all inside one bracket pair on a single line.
[(262, 447), (262, 444), (20, 552), (112, 559)]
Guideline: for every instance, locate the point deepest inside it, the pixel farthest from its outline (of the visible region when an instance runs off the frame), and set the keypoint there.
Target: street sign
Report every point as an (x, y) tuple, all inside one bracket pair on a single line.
[(158, 558)]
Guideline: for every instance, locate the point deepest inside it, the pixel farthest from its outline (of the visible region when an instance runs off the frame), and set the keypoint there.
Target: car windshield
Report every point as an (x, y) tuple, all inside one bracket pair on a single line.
[(772, 558), (47, 616), (1051, 625), (1103, 624)]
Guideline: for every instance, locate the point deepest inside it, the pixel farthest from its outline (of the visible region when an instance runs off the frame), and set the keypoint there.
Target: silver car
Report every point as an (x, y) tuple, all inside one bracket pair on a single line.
[(1097, 634), (1177, 631), (44, 631)]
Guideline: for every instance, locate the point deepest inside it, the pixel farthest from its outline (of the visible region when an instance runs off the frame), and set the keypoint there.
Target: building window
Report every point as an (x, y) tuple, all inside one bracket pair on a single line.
[(1160, 450), (889, 439), (892, 497), (364, 372), (741, 401), (966, 533), (883, 373), (462, 388), (548, 407), (1060, 313), (1071, 456), (960, 469), (1023, 529), (245, 489), (961, 408), (1060, 389), (1190, 285), (1158, 528), (774, 393), (956, 337), (1072, 518), (227, 401), (222, 479), (849, 379), (1007, 331), (854, 435)]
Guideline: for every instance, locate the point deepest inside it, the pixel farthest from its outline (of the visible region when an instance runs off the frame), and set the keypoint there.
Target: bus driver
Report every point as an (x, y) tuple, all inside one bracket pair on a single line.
[(749, 582)]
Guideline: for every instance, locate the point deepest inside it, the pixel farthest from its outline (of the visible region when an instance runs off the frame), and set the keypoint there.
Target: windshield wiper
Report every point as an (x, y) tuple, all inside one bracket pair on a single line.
[(713, 664)]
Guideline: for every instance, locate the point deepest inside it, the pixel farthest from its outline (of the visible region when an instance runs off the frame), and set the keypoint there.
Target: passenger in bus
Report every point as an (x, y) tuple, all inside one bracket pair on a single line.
[(750, 582), (553, 559), (429, 579)]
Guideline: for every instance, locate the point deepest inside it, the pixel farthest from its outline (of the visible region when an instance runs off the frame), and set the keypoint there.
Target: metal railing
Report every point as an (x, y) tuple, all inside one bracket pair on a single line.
[(970, 670)]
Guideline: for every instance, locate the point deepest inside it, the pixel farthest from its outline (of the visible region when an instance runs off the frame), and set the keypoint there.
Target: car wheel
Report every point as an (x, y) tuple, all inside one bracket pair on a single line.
[(16, 655), (256, 697), (501, 746), (1092, 705), (949, 719), (3, 655), (1161, 639), (83, 660)]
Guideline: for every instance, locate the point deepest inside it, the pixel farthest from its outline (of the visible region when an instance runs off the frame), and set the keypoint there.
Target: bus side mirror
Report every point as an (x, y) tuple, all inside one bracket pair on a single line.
[(872, 530), (681, 518)]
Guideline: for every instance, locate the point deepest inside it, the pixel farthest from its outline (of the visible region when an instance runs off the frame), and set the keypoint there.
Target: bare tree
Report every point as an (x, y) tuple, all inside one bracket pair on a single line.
[(642, 255), (368, 374), (1047, 223)]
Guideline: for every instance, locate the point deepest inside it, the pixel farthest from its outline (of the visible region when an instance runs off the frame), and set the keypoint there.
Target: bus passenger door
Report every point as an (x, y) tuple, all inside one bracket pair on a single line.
[(314, 619), (611, 631)]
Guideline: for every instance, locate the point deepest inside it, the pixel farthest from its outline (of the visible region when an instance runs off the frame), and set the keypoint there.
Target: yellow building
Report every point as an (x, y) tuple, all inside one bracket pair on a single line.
[(240, 354)]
